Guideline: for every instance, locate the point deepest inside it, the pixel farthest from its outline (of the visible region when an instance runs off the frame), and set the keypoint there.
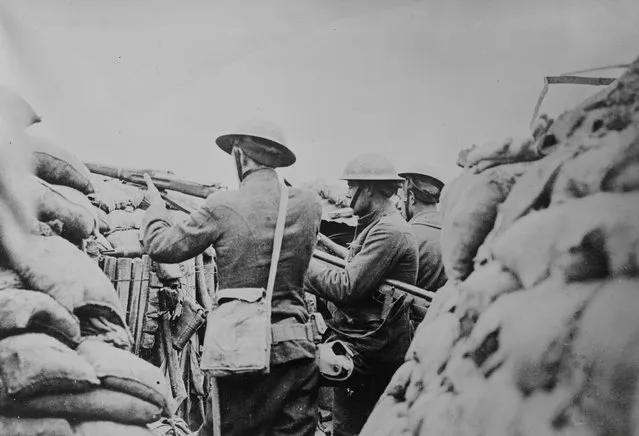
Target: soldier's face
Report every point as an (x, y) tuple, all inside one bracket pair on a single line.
[(356, 195)]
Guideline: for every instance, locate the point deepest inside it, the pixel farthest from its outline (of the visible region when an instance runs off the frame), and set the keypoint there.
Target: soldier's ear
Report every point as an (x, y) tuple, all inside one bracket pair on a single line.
[(411, 197)]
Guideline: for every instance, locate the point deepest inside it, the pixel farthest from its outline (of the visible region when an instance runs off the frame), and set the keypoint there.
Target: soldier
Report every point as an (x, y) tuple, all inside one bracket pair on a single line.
[(420, 197), (240, 225), (378, 334)]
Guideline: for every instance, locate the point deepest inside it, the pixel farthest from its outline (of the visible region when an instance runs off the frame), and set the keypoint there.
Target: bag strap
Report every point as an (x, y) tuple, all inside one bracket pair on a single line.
[(277, 240)]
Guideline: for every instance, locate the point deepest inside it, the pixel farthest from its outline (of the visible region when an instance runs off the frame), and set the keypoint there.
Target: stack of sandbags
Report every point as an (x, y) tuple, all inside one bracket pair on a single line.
[(56, 378), (538, 333)]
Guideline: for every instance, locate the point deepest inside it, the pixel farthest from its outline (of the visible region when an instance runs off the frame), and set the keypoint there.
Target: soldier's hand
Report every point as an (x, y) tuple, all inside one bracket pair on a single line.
[(153, 194)]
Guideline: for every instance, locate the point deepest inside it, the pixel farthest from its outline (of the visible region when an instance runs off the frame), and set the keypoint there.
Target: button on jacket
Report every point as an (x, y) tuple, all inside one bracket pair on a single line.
[(426, 227), (240, 224), (385, 249)]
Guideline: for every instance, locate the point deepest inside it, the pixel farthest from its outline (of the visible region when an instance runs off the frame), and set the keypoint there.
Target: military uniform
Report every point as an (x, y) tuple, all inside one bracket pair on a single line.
[(426, 227), (385, 249), (240, 225)]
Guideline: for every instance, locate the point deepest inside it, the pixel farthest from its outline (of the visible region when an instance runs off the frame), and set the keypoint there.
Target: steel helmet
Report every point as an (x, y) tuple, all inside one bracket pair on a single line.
[(424, 178), (269, 148), (373, 167)]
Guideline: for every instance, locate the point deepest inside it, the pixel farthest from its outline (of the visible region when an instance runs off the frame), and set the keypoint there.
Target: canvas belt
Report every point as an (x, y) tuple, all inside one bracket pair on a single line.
[(292, 332)]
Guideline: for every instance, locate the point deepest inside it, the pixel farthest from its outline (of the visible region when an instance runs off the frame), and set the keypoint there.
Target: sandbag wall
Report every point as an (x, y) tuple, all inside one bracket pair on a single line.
[(65, 362), (537, 331)]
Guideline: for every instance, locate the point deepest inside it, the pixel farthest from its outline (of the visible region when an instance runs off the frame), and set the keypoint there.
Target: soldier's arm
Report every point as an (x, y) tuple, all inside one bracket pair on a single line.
[(333, 246), (363, 274), (172, 243)]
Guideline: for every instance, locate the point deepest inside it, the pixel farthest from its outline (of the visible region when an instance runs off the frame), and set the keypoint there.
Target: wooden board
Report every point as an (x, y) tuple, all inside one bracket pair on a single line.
[(142, 303), (124, 283), (110, 265), (134, 294)]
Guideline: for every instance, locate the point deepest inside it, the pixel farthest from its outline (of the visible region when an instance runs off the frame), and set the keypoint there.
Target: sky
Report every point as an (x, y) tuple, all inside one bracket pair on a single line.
[(152, 83)]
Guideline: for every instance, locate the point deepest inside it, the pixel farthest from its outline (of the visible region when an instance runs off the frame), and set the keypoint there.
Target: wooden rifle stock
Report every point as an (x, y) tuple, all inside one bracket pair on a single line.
[(162, 181)]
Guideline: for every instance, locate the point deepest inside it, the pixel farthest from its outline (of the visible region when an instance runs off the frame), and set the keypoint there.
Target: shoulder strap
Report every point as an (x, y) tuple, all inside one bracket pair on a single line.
[(277, 240)]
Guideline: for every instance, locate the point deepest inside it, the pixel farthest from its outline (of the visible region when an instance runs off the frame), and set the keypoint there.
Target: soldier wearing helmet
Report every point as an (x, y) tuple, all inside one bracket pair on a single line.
[(421, 192), (377, 332), (240, 225)]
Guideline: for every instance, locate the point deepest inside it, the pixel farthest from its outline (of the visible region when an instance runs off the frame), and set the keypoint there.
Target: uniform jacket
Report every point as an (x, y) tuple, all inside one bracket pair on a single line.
[(240, 224), (431, 275), (385, 249)]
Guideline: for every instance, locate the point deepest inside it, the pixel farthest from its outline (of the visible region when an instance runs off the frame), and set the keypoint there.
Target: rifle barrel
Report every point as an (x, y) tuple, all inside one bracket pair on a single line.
[(401, 286)]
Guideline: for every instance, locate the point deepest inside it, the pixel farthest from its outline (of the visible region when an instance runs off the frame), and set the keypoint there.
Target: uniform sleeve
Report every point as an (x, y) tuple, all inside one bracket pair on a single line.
[(173, 243), (363, 274)]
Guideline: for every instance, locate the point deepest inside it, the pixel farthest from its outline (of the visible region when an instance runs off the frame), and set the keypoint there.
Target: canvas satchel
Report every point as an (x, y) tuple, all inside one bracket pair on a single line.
[(238, 331)]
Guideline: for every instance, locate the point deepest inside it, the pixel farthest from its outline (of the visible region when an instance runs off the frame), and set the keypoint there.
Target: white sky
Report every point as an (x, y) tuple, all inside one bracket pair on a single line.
[(151, 83)]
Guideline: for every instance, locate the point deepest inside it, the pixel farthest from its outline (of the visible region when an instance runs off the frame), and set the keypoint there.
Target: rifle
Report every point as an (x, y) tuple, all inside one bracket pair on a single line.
[(162, 180), (421, 298)]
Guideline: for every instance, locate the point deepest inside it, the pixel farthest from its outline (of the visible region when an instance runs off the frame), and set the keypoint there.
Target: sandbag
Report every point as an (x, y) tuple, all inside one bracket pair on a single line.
[(96, 405), (104, 223), (122, 371), (483, 286), (606, 350), (113, 195), (513, 149), (11, 426), (445, 300), (67, 205), (433, 343), (10, 279), (469, 208), (126, 243), (54, 266), (35, 364), (101, 329), (22, 310), (612, 166), (578, 240), (125, 220), (58, 166), (106, 428)]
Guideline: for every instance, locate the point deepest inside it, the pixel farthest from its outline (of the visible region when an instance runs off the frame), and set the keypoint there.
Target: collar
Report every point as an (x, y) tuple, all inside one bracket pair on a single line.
[(429, 216), (374, 216), (258, 174)]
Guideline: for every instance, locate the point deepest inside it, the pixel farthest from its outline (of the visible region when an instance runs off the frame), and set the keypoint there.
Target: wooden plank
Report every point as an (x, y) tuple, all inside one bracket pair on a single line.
[(110, 264), (142, 304), (136, 285), (124, 283)]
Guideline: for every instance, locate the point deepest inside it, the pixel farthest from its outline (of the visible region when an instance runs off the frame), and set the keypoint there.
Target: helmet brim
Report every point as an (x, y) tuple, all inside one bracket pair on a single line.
[(267, 152), (430, 179)]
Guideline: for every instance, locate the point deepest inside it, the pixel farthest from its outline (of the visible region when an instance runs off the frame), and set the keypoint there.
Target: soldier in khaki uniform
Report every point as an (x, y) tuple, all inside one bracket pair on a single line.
[(421, 194), (240, 225), (378, 334)]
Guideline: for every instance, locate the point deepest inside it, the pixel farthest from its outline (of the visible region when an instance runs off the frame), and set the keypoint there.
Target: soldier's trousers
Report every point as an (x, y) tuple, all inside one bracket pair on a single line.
[(283, 402), (355, 399)]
